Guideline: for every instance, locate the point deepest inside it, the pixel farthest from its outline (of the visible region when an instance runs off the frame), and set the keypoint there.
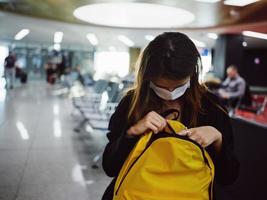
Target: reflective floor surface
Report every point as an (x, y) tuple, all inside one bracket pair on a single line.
[(41, 157)]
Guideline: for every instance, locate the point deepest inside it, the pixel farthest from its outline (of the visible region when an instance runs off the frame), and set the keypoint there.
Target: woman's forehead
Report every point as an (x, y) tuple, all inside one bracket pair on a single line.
[(164, 82)]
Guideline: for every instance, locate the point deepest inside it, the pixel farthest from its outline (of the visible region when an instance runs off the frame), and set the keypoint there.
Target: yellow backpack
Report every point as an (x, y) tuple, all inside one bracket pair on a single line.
[(166, 166)]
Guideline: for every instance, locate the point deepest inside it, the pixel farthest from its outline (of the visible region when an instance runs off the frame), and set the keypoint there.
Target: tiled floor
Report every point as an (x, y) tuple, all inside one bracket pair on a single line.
[(41, 157)]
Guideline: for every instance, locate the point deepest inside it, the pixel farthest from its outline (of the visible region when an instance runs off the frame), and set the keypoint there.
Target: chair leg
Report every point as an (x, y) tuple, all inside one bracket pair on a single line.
[(80, 126), (96, 160)]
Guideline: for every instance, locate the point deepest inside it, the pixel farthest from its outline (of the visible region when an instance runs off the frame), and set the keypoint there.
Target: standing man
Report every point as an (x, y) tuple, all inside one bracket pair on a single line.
[(10, 61), (233, 88)]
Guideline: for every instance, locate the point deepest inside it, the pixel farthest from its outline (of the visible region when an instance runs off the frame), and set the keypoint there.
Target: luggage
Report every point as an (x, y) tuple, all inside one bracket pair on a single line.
[(52, 79), (23, 77), (10, 62), (166, 166)]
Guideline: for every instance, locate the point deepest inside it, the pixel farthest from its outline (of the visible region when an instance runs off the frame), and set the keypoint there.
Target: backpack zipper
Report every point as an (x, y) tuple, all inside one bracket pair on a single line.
[(148, 145)]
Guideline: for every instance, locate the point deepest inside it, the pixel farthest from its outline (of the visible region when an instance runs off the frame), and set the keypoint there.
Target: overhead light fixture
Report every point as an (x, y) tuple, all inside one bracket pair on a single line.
[(209, 1), (92, 39), (20, 35), (149, 37), (244, 44), (257, 61), (198, 43), (56, 46), (213, 36), (134, 15), (239, 2), (255, 34), (126, 40), (58, 37), (112, 48)]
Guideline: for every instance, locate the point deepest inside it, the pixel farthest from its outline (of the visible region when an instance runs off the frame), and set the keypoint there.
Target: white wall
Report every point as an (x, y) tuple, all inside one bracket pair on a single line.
[(111, 63), (3, 55)]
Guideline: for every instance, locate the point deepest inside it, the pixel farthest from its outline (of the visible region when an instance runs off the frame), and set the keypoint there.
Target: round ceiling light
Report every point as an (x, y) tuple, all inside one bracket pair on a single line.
[(134, 15)]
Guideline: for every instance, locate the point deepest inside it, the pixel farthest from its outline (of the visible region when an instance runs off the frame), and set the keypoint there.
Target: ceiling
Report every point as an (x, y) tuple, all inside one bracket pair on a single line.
[(42, 32), (44, 17), (207, 14)]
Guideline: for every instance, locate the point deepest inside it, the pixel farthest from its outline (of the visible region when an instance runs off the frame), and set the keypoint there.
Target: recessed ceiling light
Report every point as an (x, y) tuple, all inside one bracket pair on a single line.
[(209, 1), (255, 34), (134, 15), (92, 39), (58, 37), (244, 44), (126, 40), (213, 36), (149, 37), (257, 61), (239, 2), (20, 35)]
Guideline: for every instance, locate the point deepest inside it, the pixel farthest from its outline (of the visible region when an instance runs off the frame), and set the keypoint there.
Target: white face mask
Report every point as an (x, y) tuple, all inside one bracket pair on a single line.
[(170, 95)]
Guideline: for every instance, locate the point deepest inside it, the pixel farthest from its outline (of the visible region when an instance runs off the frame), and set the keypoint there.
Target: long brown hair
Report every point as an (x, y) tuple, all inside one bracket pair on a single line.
[(171, 55)]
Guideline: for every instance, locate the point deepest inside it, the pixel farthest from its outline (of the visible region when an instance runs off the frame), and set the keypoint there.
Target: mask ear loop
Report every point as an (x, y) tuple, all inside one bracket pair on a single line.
[(170, 111)]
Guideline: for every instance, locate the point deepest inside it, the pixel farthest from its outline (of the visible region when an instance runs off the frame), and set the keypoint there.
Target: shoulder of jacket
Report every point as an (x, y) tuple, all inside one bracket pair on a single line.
[(126, 99), (210, 97), (210, 101)]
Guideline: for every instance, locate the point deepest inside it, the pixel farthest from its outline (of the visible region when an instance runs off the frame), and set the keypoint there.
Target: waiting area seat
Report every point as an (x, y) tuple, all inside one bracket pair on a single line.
[(95, 105), (255, 111)]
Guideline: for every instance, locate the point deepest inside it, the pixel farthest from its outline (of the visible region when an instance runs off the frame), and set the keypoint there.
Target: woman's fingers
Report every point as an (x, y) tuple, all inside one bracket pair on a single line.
[(157, 117), (157, 120), (185, 132), (155, 123), (196, 139), (153, 127), (196, 136), (151, 121), (159, 123)]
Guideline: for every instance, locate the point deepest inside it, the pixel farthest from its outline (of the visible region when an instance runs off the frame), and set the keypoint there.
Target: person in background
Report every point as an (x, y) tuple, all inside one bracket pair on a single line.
[(233, 88), (61, 66), (51, 72), (79, 74), (9, 72)]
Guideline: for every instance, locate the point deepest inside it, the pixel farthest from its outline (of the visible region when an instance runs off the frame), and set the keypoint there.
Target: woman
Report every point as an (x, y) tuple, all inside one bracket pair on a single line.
[(168, 78)]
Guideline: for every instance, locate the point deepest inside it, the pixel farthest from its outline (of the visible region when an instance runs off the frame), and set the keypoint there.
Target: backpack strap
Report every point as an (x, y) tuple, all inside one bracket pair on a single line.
[(171, 129)]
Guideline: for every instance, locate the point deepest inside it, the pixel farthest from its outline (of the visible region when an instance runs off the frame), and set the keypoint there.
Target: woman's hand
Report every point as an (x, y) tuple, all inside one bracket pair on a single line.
[(204, 135), (152, 121)]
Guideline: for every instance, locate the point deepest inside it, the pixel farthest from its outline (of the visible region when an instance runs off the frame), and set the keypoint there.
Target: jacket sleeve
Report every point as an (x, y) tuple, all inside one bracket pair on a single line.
[(241, 87), (119, 145), (225, 83), (226, 163)]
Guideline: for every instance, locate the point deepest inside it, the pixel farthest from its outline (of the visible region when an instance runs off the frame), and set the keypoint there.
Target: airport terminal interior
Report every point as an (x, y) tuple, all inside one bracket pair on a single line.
[(65, 65)]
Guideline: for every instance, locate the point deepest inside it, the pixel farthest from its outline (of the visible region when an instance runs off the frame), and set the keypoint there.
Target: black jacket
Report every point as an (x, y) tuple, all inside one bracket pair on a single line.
[(119, 146)]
